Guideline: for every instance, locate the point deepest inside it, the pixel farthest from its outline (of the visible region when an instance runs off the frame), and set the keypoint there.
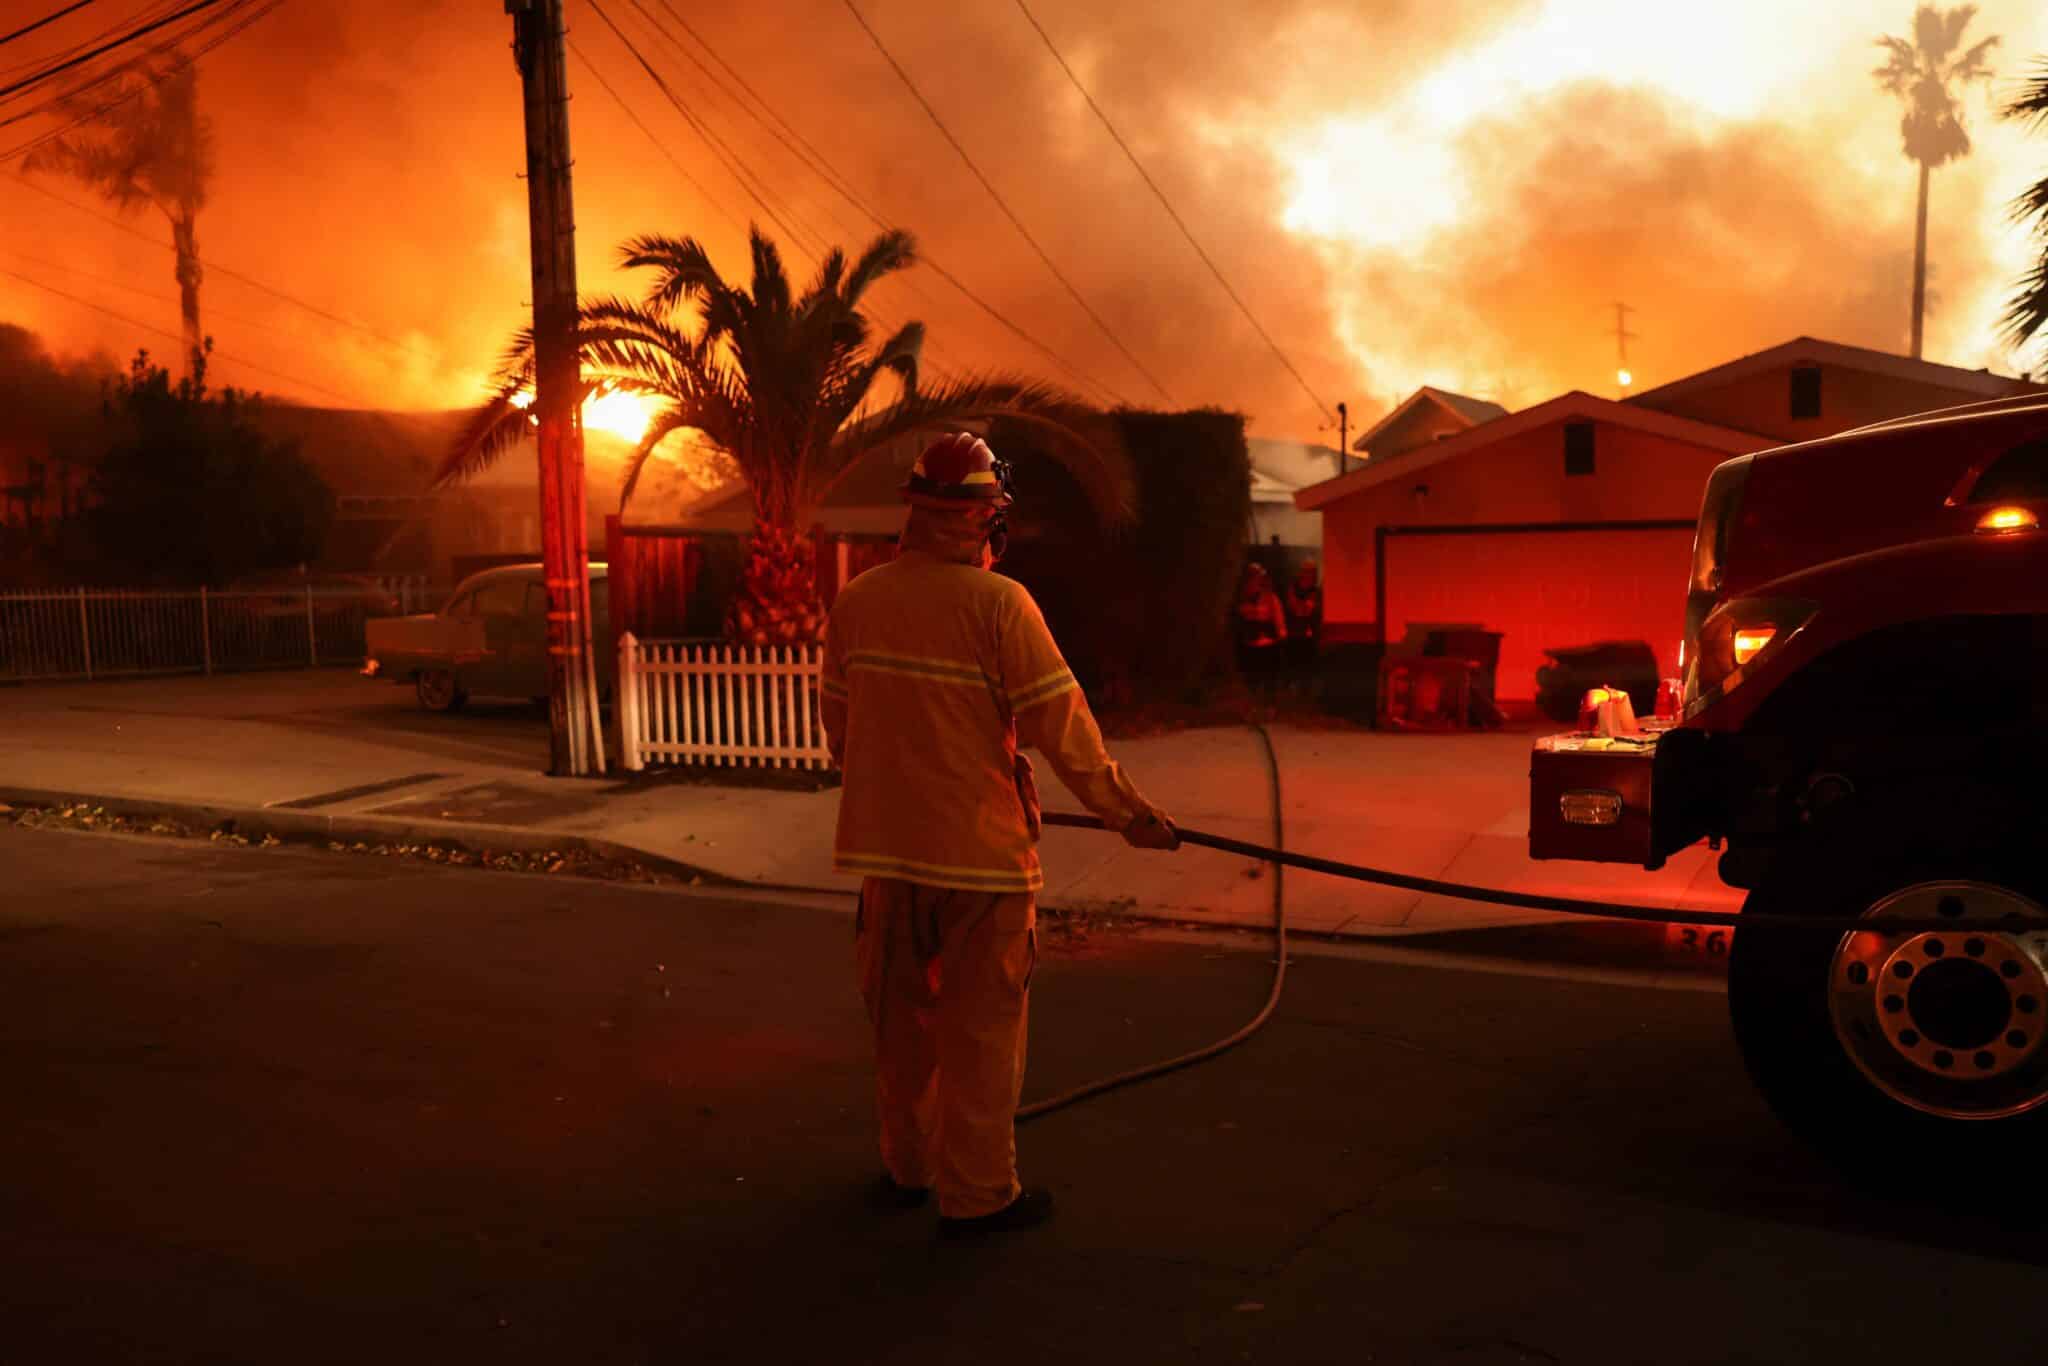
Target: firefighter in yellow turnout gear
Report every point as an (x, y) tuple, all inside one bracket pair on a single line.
[(935, 671)]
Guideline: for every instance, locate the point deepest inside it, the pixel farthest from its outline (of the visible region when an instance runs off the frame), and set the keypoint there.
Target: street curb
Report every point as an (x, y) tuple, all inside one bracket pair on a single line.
[(1593, 943), (474, 838)]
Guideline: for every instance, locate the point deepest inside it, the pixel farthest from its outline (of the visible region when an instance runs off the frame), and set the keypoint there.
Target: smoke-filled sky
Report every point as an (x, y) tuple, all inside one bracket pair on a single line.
[(1406, 191)]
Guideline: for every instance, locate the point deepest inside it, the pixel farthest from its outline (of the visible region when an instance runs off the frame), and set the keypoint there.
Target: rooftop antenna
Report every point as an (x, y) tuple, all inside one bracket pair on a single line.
[(1623, 376)]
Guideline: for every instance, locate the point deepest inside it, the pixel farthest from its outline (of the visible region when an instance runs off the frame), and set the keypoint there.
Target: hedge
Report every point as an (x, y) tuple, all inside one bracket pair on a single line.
[(1142, 613)]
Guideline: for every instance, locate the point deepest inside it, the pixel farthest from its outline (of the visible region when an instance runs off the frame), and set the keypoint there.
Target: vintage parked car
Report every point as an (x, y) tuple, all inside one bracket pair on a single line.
[(489, 640)]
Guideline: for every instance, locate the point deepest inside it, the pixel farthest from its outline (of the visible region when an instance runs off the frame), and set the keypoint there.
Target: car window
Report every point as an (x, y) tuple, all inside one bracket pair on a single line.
[(536, 602), (503, 598), (2021, 472), (461, 605)]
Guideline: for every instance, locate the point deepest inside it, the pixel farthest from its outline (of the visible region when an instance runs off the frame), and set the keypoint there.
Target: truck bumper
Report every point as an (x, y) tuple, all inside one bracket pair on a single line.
[(1593, 799)]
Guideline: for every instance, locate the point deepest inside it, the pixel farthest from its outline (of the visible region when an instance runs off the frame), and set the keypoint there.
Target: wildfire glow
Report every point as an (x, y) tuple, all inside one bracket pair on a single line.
[(622, 415)]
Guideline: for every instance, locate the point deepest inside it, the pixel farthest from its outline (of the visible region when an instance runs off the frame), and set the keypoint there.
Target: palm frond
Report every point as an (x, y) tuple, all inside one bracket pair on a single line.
[(890, 252), (1931, 31), (2026, 312), (2031, 104), (1952, 26), (770, 288), (685, 269), (1901, 69), (665, 423), (1972, 65), (2032, 203), (492, 429)]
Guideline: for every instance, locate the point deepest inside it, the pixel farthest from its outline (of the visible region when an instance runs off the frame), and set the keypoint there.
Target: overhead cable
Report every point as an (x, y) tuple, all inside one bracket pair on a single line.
[(703, 133), (820, 166), (1167, 204), (713, 200), (154, 79), (219, 269), (45, 21), (102, 49), (718, 148), (1001, 203), (165, 332)]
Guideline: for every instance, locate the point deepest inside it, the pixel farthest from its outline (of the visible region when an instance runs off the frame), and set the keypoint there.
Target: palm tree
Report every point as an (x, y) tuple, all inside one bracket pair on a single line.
[(2026, 313), (150, 145), (1926, 74), (785, 386)]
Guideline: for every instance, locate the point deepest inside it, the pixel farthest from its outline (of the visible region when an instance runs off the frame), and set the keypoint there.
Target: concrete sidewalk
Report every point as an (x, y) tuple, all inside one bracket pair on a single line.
[(360, 755)]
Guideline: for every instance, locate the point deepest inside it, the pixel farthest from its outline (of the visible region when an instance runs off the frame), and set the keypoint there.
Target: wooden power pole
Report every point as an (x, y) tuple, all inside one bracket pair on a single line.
[(576, 742)]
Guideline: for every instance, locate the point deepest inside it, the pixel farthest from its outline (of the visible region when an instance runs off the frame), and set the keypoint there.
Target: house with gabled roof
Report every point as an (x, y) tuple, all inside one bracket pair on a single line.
[(1427, 415), (1570, 522)]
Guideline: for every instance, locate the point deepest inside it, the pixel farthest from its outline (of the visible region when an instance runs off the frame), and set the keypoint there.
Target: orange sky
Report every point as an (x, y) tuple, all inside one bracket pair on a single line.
[(1407, 191)]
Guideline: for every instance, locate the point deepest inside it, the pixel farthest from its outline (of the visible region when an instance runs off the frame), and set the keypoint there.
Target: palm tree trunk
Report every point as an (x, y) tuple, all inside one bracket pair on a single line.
[(1920, 263), (185, 237)]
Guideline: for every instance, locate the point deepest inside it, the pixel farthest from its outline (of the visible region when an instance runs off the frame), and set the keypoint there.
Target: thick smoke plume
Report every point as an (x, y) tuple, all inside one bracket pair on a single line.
[(368, 158)]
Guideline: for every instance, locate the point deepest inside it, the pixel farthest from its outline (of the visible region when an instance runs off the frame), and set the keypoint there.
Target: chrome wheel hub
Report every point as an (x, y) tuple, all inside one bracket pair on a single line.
[(1952, 1024)]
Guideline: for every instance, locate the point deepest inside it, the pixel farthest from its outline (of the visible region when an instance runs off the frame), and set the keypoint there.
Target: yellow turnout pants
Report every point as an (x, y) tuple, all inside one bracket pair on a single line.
[(946, 976)]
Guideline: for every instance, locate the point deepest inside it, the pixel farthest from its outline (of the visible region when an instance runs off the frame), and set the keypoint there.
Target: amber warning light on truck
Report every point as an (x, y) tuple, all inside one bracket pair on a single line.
[(2000, 520), (1750, 641)]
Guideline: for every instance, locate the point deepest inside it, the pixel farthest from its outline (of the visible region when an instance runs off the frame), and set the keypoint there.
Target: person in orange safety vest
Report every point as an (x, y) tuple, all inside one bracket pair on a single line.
[(936, 670)]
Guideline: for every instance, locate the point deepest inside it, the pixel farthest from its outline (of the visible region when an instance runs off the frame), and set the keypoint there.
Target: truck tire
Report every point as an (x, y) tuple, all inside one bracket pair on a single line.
[(439, 690), (1913, 1047)]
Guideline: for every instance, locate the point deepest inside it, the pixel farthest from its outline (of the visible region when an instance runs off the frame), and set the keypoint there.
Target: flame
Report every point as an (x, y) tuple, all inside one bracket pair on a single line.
[(625, 416)]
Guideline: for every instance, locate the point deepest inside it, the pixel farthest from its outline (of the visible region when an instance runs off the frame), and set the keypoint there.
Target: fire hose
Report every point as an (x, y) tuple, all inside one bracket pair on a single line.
[(1277, 855)]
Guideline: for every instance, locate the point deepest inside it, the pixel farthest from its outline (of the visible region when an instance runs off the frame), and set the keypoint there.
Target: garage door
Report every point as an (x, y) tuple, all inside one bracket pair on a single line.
[(1543, 588)]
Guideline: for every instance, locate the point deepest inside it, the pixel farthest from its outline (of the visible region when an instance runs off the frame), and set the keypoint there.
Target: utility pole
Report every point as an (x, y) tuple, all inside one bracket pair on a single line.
[(576, 739), (1343, 439), (1623, 376)]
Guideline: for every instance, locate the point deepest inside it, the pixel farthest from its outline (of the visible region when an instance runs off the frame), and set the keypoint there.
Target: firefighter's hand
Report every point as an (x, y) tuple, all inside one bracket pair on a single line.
[(1152, 831)]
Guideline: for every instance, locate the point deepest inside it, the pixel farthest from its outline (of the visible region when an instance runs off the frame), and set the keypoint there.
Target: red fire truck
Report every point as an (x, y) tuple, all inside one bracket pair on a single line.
[(1864, 732)]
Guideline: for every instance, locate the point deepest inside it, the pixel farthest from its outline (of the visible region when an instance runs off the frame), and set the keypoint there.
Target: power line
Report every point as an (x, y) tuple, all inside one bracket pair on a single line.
[(716, 84), (129, 37), (141, 292), (163, 332), (1166, 204), (819, 165), (659, 145), (154, 80), (851, 233), (994, 194), (117, 71), (715, 202), (718, 148), (156, 7), (822, 244), (220, 269), (43, 22)]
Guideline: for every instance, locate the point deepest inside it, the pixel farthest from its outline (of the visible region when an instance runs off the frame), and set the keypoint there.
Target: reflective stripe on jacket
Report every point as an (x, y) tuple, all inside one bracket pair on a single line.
[(934, 673)]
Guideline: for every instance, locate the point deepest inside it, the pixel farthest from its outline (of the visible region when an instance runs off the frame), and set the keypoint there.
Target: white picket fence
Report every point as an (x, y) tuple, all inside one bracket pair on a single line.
[(716, 704)]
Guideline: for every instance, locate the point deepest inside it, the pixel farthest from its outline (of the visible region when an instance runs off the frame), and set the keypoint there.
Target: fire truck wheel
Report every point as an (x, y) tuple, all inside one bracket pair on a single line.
[(1871, 1045), (439, 690)]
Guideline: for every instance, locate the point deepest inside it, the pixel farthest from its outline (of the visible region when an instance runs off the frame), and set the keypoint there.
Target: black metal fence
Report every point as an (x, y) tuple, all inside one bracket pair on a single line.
[(92, 633)]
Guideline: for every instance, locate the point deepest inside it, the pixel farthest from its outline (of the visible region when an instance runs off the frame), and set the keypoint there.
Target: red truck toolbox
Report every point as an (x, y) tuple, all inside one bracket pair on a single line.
[(1589, 798)]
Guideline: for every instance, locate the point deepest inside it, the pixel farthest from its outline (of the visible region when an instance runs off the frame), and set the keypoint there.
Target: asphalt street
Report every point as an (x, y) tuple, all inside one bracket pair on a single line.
[(276, 1105)]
